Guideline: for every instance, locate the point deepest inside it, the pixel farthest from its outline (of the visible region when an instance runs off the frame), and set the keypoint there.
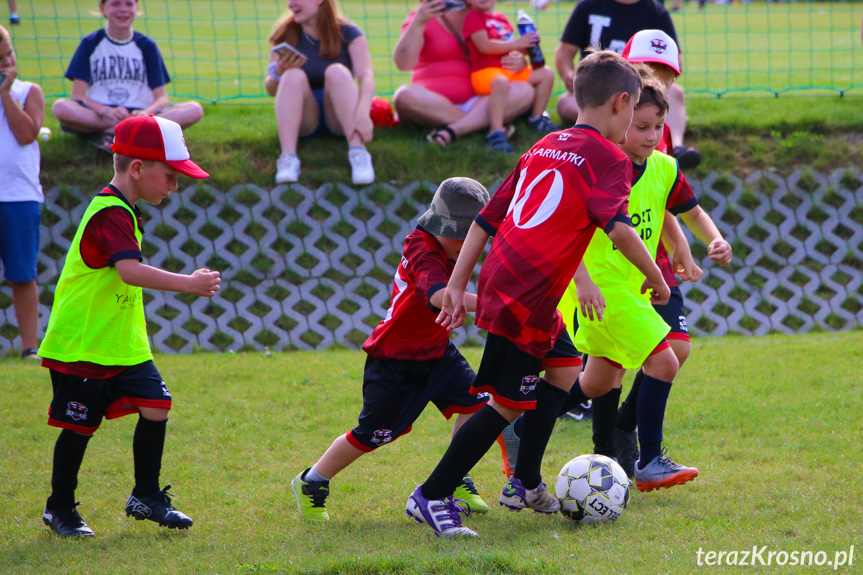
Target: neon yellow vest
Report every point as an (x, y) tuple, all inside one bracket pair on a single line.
[(96, 317), (608, 269)]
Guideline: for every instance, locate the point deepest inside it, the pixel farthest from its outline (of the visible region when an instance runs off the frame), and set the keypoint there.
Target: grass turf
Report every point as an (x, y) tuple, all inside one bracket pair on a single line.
[(769, 423)]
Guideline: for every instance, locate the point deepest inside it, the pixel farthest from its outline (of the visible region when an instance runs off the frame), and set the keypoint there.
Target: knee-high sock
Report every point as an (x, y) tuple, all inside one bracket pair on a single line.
[(147, 447), (470, 443), (537, 428), (626, 415), (651, 412), (604, 417), (68, 455), (576, 396)]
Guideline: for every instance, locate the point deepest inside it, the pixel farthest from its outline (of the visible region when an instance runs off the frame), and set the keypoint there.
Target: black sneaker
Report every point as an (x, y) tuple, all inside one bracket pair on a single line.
[(157, 507), (626, 443), (66, 521)]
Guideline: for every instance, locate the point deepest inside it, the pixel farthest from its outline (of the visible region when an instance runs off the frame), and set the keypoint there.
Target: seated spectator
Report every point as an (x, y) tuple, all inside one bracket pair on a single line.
[(440, 94), (22, 109), (609, 24), (490, 35), (14, 18), (325, 89), (117, 73)]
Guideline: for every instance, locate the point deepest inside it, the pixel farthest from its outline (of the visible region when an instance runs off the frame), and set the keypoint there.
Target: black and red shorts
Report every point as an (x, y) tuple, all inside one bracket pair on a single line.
[(396, 391), (674, 315), (79, 403), (511, 375)]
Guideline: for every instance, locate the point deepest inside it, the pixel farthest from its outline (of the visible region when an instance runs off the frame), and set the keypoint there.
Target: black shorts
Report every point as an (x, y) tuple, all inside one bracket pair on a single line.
[(511, 375), (80, 404), (674, 315), (396, 391)]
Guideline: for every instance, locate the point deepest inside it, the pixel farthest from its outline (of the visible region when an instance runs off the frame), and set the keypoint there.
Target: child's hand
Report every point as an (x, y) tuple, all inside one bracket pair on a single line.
[(686, 268), (659, 291), (204, 282), (720, 252), (11, 73), (452, 310), (525, 42), (591, 300)]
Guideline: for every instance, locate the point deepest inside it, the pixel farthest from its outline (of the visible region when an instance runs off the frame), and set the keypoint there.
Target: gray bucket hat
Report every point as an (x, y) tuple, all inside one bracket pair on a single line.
[(456, 203)]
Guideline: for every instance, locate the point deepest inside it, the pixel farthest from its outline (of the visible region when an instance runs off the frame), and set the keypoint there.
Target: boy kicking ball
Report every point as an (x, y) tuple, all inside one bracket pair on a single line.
[(411, 360), (543, 216), (96, 344)]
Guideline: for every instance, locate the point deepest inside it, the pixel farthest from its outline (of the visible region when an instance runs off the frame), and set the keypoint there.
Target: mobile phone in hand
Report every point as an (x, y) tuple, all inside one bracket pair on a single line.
[(284, 48), (454, 5), (2, 77)]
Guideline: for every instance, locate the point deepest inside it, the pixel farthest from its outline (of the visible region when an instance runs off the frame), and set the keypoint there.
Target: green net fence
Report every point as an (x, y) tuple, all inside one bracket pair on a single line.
[(216, 50)]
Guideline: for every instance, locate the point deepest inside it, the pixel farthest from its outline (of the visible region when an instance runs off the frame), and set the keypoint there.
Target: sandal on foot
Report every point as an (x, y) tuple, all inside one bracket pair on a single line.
[(442, 136), (102, 141)]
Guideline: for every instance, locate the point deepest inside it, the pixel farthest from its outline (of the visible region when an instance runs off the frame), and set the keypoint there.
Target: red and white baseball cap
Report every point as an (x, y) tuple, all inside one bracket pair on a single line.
[(653, 46), (157, 139)]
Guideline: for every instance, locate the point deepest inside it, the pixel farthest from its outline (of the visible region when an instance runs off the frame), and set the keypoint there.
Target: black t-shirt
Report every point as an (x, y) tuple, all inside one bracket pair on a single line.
[(316, 65), (610, 24)]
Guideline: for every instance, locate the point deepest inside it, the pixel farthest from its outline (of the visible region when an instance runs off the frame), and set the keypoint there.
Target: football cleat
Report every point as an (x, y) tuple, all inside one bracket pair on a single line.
[(157, 508), (442, 515), (311, 497), (662, 472), (467, 492), (515, 497), (66, 521), (626, 443)]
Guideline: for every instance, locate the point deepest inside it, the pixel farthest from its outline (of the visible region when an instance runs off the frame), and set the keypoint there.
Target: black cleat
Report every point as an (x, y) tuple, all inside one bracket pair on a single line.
[(66, 521), (157, 507)]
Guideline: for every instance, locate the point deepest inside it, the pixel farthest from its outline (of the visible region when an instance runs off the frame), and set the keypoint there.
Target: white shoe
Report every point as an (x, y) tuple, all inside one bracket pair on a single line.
[(287, 169), (362, 171)]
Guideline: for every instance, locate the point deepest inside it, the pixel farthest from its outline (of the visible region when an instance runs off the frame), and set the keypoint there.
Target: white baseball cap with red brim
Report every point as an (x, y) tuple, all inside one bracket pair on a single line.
[(156, 139), (653, 46)]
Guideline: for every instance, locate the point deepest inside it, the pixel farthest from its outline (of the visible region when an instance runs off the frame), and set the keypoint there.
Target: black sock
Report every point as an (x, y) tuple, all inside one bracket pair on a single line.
[(576, 396), (68, 455), (626, 415), (538, 425), (470, 443), (147, 449), (604, 416), (651, 412), (518, 426)]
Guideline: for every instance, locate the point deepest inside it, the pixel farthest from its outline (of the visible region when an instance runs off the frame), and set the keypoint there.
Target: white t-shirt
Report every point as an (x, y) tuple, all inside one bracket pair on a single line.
[(119, 73), (19, 165)]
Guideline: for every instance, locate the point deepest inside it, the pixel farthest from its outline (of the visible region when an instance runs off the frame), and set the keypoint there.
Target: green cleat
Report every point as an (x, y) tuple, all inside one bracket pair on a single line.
[(467, 492), (311, 497)]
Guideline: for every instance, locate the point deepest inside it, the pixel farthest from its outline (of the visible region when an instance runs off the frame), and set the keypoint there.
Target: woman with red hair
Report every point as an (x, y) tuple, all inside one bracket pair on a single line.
[(324, 85)]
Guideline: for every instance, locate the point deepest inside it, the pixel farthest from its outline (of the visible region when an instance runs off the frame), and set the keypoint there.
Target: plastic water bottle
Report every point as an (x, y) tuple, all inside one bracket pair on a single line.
[(526, 26)]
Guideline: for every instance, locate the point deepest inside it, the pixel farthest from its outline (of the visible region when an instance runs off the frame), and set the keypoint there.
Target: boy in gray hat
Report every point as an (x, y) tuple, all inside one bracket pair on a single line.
[(411, 360)]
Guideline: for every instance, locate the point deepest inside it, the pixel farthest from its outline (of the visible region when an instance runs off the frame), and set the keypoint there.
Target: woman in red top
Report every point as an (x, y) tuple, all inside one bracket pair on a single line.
[(440, 93)]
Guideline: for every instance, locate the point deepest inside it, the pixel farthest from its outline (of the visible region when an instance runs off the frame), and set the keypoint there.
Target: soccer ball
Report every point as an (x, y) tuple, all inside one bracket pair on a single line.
[(539, 4), (592, 488)]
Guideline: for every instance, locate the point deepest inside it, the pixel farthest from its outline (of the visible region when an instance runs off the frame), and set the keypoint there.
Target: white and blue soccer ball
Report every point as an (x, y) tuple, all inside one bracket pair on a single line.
[(592, 488)]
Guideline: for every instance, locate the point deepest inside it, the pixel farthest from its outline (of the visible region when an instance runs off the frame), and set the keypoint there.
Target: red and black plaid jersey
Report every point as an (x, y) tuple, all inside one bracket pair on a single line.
[(542, 218)]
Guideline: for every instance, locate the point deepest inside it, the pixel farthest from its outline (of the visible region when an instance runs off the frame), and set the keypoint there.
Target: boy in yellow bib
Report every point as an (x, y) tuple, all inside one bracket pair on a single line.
[(629, 333), (96, 344)]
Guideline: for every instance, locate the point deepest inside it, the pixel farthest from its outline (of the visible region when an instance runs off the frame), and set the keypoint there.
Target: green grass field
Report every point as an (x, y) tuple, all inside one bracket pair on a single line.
[(216, 49), (772, 423)]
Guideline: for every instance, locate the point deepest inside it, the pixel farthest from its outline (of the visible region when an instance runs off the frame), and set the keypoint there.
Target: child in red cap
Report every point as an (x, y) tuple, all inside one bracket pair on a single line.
[(96, 344)]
